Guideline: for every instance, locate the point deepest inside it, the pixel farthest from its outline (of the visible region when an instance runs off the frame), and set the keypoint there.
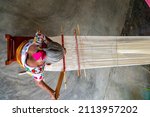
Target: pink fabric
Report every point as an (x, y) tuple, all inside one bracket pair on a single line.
[(39, 54), (148, 2)]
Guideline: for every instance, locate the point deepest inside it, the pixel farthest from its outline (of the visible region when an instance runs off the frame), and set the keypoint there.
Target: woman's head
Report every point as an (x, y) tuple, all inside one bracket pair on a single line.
[(55, 52)]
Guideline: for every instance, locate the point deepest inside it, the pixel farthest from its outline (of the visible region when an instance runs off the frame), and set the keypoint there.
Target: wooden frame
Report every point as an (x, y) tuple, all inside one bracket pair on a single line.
[(12, 44)]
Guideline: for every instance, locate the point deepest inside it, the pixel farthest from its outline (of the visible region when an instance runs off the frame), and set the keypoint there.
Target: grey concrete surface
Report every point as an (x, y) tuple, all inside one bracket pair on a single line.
[(95, 17)]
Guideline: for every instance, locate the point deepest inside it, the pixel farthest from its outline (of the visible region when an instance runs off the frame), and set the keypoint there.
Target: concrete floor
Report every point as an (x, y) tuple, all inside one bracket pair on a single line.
[(95, 17)]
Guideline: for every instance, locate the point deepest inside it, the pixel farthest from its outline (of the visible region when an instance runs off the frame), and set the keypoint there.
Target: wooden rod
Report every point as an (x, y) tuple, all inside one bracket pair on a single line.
[(77, 51), (64, 61), (64, 58)]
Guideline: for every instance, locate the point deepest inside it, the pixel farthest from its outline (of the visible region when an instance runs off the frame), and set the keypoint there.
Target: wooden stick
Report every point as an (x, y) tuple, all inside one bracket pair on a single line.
[(78, 32), (77, 52), (64, 61), (22, 73)]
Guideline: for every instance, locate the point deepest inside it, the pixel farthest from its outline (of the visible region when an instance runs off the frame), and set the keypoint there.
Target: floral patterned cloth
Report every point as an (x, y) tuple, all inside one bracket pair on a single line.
[(39, 38), (36, 72)]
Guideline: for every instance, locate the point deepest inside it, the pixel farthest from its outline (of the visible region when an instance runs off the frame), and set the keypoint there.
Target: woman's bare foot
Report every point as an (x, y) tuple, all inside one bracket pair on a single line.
[(53, 96)]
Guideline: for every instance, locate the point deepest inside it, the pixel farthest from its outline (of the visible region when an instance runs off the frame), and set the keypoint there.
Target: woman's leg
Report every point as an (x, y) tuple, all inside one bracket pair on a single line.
[(44, 86)]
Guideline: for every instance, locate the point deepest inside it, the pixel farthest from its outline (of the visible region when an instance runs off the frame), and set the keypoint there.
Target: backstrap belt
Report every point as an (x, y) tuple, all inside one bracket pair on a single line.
[(18, 52)]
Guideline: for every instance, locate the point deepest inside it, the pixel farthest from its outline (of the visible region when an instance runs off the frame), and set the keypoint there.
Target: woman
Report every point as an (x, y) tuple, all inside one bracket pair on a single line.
[(37, 52)]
